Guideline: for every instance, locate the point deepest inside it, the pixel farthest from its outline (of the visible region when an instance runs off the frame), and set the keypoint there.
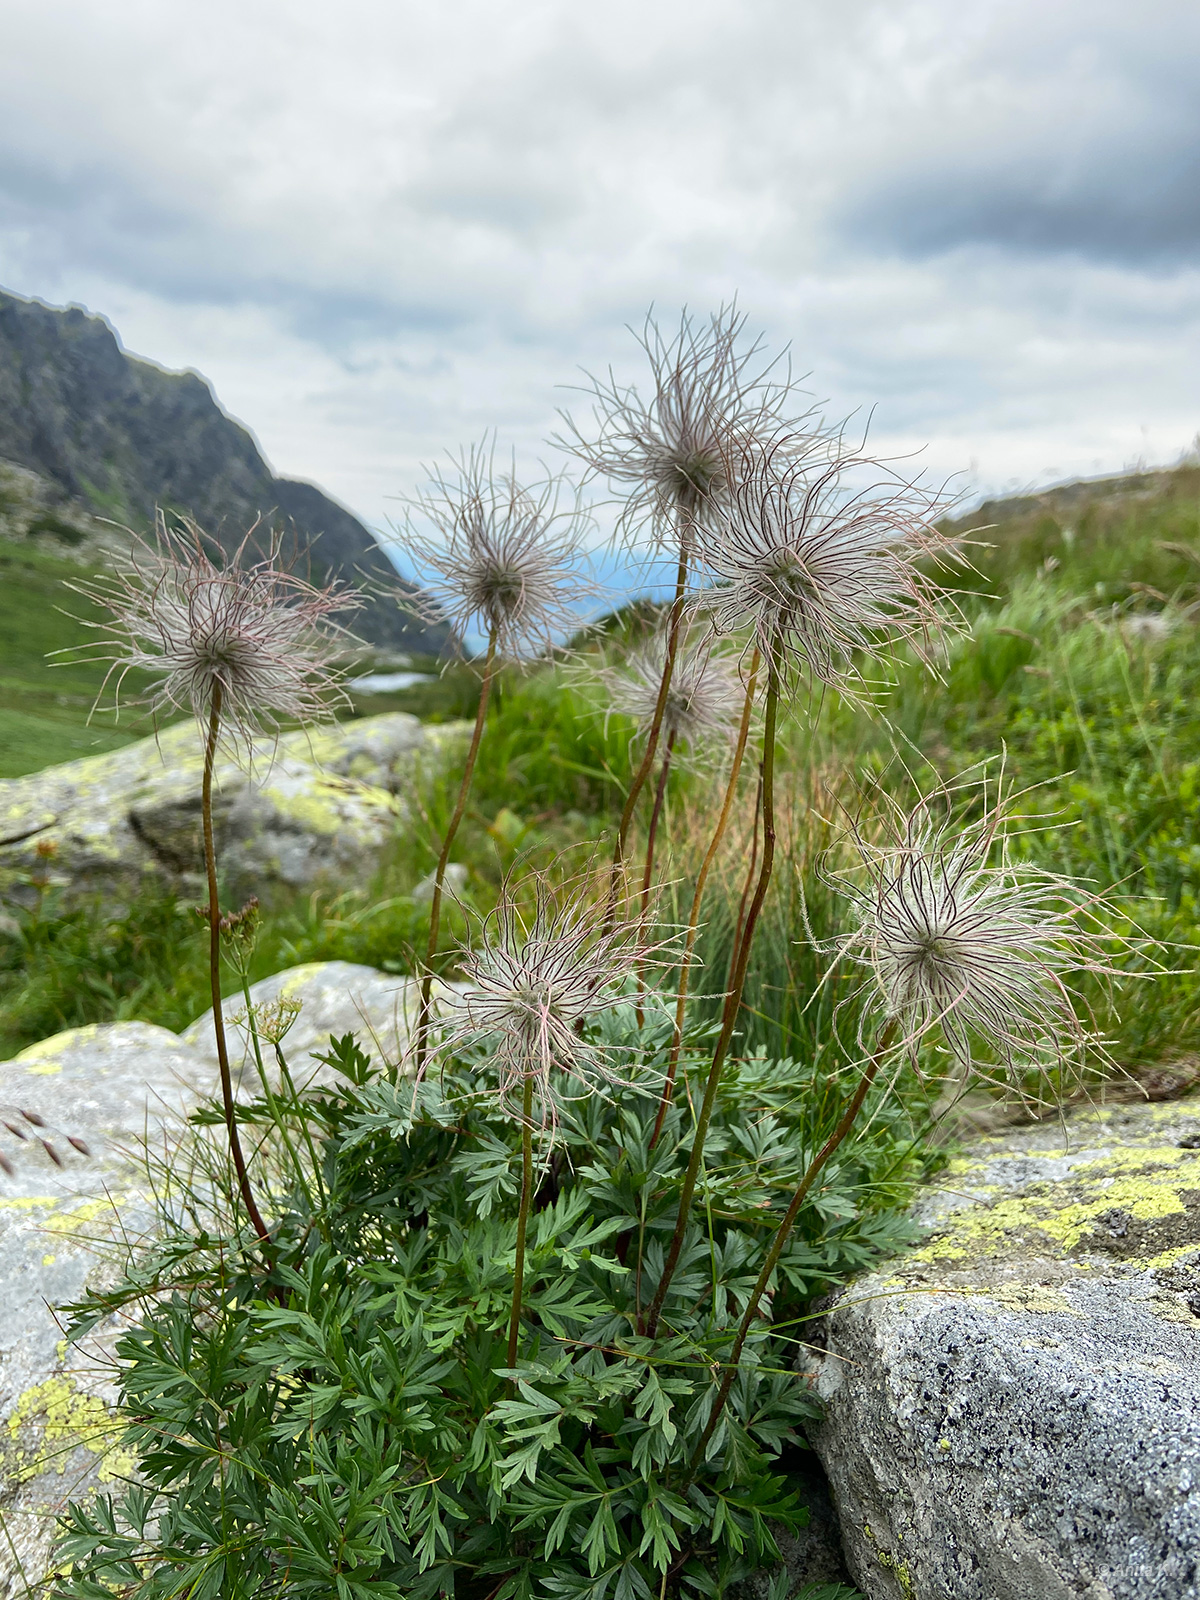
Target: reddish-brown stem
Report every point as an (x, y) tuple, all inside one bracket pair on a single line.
[(214, 971), (514, 1321), (734, 1000), (439, 877), (739, 752), (660, 795), (750, 871), (645, 766), (811, 1173)]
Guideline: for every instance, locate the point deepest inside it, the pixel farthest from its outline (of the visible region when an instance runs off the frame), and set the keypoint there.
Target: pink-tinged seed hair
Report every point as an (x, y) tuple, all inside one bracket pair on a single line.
[(669, 450), (820, 563), (959, 936), (535, 977), (193, 619), (704, 699), (497, 556)]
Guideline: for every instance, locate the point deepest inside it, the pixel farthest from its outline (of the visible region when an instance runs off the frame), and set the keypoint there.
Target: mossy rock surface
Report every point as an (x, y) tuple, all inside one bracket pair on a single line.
[(1013, 1409), (318, 807)]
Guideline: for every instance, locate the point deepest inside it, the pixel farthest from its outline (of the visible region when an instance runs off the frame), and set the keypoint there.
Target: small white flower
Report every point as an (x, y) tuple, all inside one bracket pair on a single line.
[(500, 557)]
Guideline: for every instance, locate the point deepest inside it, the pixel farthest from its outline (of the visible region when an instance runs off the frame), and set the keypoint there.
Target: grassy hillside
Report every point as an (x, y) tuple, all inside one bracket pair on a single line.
[(1081, 662), (44, 708), (46, 699)]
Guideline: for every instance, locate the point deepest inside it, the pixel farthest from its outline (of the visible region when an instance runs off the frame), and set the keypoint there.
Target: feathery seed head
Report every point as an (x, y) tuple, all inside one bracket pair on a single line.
[(956, 935), (704, 698), (710, 387), (534, 980), (248, 629), (815, 569), (500, 556)]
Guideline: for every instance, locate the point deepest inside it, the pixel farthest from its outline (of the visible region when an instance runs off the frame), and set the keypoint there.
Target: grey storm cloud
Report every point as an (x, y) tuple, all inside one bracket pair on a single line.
[(1080, 137), (384, 229)]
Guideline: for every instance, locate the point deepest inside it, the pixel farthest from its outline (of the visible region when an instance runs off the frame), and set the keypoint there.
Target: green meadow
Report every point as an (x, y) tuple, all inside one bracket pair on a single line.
[(1078, 671)]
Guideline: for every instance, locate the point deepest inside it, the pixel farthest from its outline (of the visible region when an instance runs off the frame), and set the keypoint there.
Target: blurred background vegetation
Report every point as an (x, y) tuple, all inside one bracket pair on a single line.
[(1080, 662)]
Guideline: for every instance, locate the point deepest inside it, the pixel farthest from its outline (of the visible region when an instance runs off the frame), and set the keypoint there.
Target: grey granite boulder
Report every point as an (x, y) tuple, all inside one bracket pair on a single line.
[(319, 808), (1012, 1411), (109, 1087), (334, 997)]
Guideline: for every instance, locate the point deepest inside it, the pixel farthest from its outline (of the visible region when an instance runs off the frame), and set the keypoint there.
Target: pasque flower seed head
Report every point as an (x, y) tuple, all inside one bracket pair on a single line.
[(244, 626), (816, 569), (704, 698), (498, 556), (533, 980), (709, 386), (956, 935)]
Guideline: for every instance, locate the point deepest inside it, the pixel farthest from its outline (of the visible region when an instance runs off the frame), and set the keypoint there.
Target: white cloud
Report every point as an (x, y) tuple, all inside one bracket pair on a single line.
[(381, 229)]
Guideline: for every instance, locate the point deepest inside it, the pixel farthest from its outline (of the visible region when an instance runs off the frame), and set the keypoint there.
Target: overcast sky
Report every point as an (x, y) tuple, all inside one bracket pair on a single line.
[(380, 227)]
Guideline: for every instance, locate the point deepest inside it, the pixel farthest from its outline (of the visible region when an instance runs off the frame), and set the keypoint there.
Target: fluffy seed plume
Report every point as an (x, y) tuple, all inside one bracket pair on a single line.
[(704, 699), (533, 980), (816, 569), (247, 626), (957, 935), (498, 556), (709, 387)]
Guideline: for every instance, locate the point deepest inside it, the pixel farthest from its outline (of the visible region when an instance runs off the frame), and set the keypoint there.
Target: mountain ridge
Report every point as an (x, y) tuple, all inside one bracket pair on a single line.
[(121, 438)]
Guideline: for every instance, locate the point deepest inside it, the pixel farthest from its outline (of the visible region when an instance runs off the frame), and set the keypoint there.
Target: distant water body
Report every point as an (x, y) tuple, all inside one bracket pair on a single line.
[(386, 682)]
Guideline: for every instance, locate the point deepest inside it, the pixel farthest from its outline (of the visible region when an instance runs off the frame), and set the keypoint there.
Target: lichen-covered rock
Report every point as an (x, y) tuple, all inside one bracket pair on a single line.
[(1012, 1412), (334, 997), (322, 809), (109, 1087)]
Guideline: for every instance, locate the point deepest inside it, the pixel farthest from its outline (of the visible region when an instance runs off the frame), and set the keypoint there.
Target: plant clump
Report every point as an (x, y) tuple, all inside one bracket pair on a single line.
[(517, 1316)]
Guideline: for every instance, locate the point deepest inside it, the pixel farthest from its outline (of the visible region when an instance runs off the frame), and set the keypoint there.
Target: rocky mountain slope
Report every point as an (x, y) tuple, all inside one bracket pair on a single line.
[(115, 436)]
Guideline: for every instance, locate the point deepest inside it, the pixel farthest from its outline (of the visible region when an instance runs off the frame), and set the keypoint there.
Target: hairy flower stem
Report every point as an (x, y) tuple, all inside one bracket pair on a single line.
[(734, 1000), (693, 928), (811, 1174), (439, 877), (660, 795), (514, 1322), (214, 971), (674, 624), (740, 924)]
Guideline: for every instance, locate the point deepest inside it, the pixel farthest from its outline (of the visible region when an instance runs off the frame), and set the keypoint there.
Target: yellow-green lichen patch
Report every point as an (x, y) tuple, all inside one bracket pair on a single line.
[(67, 1222), (320, 806), (1135, 1190), (1165, 1258), (37, 1057), (899, 1569), (1136, 1158), (54, 1419), (299, 976), (1037, 1297)]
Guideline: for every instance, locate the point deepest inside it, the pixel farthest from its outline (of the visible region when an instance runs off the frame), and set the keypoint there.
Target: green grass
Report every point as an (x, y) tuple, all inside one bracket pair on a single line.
[(1100, 715), (45, 708)]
